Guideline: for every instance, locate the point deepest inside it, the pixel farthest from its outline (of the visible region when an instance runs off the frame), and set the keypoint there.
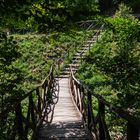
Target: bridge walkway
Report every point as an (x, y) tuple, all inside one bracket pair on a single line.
[(67, 120)]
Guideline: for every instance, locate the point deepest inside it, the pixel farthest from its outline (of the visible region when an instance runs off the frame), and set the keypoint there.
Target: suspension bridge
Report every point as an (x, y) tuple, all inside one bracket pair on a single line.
[(61, 107)]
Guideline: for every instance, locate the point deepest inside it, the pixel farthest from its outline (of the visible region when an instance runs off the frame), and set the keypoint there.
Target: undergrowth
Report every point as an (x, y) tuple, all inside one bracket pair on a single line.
[(40, 51)]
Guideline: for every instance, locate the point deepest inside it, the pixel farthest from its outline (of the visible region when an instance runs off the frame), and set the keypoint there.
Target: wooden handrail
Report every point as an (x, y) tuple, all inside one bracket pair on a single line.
[(95, 34), (12, 107), (121, 112), (38, 107), (90, 24), (133, 123)]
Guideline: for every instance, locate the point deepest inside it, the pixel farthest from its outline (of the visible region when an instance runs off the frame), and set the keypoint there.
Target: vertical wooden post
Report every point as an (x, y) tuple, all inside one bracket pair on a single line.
[(51, 85), (90, 114), (84, 113), (75, 92), (38, 100), (32, 111), (13, 135), (80, 98), (19, 122), (43, 90), (101, 119), (132, 132), (27, 121)]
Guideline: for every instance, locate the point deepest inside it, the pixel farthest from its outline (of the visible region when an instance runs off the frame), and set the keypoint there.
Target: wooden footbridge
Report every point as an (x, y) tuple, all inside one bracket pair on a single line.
[(67, 121), (61, 108)]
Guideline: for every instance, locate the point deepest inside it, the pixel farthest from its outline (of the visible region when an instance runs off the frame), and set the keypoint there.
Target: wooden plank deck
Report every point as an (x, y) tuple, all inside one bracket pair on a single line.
[(67, 121)]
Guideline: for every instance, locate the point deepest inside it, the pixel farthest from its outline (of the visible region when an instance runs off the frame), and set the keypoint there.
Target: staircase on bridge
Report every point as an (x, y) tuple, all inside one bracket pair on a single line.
[(67, 121)]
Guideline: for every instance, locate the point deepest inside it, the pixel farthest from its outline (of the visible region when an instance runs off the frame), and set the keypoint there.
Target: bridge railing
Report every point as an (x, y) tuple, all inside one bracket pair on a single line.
[(32, 110), (93, 38), (83, 98), (74, 46)]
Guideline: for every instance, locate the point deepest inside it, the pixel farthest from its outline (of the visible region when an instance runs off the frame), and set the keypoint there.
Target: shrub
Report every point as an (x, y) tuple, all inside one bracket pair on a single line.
[(10, 79), (114, 61)]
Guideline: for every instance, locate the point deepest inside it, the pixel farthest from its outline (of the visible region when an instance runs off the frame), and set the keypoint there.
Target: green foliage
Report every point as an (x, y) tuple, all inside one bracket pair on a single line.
[(57, 14), (105, 5), (42, 15), (10, 75), (112, 66), (39, 51), (45, 14), (10, 21), (123, 11), (10, 80), (12, 14), (78, 7), (135, 4)]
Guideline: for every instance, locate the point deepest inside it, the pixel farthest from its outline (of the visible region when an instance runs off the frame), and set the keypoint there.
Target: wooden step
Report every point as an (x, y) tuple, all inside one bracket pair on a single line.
[(78, 53), (76, 57), (87, 45), (82, 51), (83, 48), (76, 61), (74, 65), (62, 76), (91, 41), (65, 72), (74, 69)]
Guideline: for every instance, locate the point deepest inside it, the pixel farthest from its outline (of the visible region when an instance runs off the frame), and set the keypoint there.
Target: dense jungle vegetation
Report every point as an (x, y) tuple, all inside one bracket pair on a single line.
[(34, 34)]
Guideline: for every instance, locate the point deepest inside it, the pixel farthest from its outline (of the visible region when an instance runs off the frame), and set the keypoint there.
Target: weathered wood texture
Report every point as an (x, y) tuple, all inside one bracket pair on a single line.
[(65, 109), (67, 121)]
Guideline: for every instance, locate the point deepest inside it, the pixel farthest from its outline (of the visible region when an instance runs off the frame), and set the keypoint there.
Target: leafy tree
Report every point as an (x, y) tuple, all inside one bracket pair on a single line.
[(12, 14), (104, 5), (112, 66), (135, 4), (58, 14), (44, 14)]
